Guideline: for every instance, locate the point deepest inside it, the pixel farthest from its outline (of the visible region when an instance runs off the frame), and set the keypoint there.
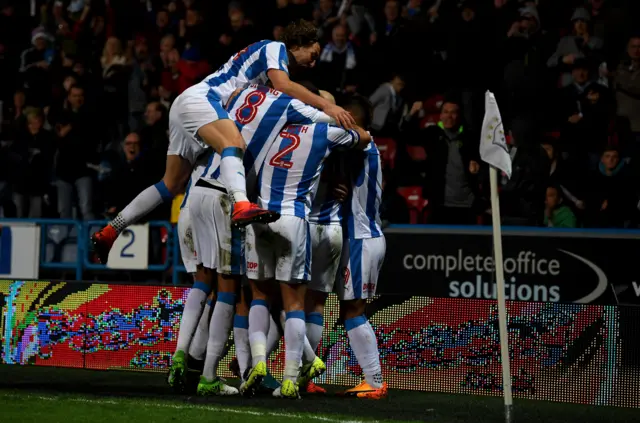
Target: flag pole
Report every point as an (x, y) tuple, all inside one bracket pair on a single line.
[(502, 308)]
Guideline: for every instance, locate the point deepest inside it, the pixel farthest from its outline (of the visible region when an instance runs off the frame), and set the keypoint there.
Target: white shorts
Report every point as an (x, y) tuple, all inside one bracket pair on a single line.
[(280, 250), (185, 238), (218, 245), (197, 106), (360, 265), (326, 247)]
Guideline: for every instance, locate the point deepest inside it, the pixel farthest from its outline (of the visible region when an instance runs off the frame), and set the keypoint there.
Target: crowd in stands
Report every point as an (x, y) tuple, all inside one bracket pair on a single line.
[(87, 84)]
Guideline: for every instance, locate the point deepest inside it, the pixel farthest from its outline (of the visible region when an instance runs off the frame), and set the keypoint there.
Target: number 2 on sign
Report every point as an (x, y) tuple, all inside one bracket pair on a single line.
[(276, 160), (124, 253)]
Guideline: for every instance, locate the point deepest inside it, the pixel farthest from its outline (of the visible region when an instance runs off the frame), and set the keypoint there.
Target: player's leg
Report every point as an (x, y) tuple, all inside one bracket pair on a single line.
[(327, 250), (190, 261), (176, 175), (224, 137), (260, 271), (198, 344), (193, 309), (365, 257), (219, 329), (241, 334), (292, 247), (326, 243)]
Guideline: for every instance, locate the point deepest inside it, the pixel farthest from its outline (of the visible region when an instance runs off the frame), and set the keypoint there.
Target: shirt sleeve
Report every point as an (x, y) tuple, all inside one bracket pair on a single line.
[(340, 137), (277, 58), (304, 114)]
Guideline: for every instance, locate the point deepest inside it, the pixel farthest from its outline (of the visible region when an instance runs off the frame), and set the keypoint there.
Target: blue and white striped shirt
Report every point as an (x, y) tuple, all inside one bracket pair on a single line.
[(260, 113), (249, 66), (288, 178), (363, 214), (325, 209)]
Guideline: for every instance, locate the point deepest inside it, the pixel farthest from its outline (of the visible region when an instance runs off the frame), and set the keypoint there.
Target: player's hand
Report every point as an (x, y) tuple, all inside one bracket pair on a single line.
[(341, 116), (569, 59), (340, 192)]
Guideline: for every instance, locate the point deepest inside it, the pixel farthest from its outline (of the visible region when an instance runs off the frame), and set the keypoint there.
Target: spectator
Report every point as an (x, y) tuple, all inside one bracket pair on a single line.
[(36, 146), (139, 82), (388, 106), (13, 114), (579, 45), (35, 65), (338, 62), (153, 136), (132, 172), (526, 50), (325, 17), (452, 168), (612, 195), (627, 91), (361, 23), (522, 197), (114, 78), (562, 175), (237, 36), (556, 214), (585, 115), (391, 39), (76, 132)]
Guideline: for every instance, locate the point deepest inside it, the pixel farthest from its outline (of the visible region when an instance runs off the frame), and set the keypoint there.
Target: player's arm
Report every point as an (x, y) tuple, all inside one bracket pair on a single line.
[(304, 114), (356, 138), (281, 82)]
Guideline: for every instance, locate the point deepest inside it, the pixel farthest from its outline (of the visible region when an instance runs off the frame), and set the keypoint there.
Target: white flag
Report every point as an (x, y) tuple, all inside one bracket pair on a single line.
[(493, 145)]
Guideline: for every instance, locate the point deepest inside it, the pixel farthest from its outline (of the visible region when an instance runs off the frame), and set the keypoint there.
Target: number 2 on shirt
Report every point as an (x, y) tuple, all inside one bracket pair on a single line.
[(276, 161)]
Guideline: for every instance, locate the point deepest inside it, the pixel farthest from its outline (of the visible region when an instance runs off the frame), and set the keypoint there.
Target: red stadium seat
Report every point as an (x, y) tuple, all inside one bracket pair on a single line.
[(388, 149), (430, 120), (416, 153), (416, 203), (433, 104)]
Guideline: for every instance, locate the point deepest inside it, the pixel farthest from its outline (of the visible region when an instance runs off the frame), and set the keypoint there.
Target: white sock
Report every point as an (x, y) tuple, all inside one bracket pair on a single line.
[(144, 203), (241, 340), (219, 329), (232, 173), (364, 344), (273, 337), (258, 329), (294, 336), (315, 326), (199, 342), (308, 353), (191, 314)]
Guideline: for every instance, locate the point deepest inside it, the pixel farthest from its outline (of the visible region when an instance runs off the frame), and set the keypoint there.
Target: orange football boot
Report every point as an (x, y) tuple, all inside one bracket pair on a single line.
[(101, 243), (364, 390), (246, 213)]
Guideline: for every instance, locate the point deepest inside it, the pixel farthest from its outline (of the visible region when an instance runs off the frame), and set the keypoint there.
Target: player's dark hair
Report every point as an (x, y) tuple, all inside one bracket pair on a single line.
[(300, 34), (363, 106), (310, 86)]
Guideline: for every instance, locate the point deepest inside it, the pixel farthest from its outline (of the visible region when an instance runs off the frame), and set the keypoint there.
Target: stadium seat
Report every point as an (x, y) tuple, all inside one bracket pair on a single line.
[(416, 153), (416, 203), (388, 149), (433, 104), (430, 120)]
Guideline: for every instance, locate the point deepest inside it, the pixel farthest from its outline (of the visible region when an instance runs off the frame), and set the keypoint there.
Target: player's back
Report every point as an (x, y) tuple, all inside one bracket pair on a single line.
[(363, 214), (325, 208), (248, 66), (293, 163), (260, 113)]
